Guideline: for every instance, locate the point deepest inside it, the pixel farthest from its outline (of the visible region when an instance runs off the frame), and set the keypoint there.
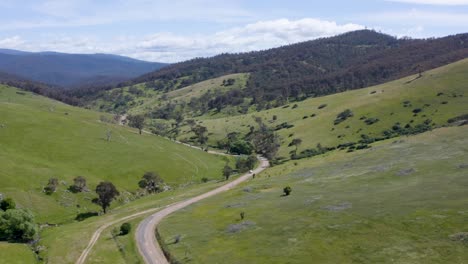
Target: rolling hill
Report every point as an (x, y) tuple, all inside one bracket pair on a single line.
[(399, 199), (73, 70), (41, 138), (309, 69), (438, 95)]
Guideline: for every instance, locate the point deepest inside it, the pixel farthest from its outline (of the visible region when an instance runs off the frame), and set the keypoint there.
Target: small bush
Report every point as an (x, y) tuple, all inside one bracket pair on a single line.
[(371, 121), (322, 106), (204, 179), (283, 125), (295, 106), (287, 190), (7, 203), (125, 229), (51, 186), (343, 116), (417, 110), (444, 102)]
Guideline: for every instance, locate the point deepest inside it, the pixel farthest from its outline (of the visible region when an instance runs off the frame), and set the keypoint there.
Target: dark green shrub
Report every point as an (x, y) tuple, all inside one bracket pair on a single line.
[(287, 190), (125, 229), (7, 203), (322, 106), (343, 116)]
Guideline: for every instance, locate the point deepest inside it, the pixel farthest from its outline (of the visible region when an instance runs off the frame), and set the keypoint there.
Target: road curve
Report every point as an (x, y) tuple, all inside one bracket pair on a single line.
[(145, 234), (98, 232)]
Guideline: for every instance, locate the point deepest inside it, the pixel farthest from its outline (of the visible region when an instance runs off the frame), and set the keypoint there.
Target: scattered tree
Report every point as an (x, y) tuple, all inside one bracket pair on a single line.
[(242, 215), (106, 192), (287, 190), (79, 185), (295, 142), (51, 186), (136, 121), (227, 172), (200, 133), (152, 182), (108, 135)]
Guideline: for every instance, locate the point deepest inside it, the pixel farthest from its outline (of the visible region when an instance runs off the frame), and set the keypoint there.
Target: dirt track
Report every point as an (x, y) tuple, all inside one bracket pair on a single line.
[(145, 233)]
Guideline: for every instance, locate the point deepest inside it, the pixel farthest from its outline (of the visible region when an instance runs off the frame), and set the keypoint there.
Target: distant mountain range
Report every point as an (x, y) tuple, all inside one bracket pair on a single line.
[(73, 70)]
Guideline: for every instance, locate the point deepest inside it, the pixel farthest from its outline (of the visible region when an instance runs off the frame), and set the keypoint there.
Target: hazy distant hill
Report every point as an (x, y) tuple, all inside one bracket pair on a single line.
[(71, 70)]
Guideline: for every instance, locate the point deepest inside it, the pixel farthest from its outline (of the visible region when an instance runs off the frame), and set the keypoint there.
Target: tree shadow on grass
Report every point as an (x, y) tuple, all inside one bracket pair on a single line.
[(83, 216)]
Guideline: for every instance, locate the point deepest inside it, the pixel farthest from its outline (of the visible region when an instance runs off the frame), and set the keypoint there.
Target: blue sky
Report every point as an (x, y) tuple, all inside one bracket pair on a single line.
[(170, 31)]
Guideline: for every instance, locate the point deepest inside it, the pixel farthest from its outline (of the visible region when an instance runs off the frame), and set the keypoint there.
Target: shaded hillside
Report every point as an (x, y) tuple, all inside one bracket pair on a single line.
[(314, 68), (71, 70), (38, 88)]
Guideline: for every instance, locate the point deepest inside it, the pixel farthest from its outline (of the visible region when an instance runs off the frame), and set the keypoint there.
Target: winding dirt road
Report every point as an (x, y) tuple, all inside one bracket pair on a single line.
[(145, 233), (98, 232)]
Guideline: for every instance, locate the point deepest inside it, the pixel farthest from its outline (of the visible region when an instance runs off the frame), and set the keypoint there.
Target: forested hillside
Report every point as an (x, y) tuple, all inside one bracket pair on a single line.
[(314, 68)]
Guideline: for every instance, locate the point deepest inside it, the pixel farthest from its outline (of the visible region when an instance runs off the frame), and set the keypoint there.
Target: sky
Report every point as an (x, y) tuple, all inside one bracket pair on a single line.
[(177, 30)]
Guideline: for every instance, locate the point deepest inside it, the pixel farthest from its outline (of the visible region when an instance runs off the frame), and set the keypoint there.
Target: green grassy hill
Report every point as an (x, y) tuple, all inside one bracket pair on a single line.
[(41, 138), (145, 97), (402, 201), (439, 94)]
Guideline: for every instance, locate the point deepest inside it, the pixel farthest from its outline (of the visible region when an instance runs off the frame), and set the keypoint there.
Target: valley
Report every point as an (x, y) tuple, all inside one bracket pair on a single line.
[(343, 149)]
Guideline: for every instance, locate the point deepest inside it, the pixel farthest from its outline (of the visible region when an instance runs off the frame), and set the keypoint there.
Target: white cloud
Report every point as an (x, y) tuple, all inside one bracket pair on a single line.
[(433, 2), (256, 36), (11, 42), (170, 47)]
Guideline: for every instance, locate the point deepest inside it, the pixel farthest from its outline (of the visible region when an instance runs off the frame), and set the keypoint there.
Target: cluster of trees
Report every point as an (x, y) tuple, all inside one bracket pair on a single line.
[(243, 164), (262, 140), (151, 182), (16, 225)]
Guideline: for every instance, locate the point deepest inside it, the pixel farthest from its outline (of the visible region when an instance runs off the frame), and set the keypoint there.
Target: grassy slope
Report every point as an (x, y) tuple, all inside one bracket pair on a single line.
[(150, 98), (198, 89), (106, 251), (15, 254), (395, 203), (39, 141), (60, 240), (385, 104)]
